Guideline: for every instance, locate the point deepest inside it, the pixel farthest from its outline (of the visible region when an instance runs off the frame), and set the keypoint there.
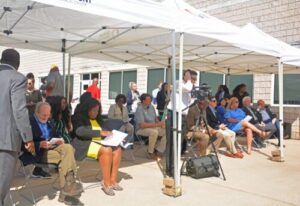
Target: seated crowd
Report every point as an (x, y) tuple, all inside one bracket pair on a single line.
[(76, 135)]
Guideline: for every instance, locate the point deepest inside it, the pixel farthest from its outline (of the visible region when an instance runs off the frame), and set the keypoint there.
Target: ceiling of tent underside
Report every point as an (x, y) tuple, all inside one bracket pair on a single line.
[(30, 25)]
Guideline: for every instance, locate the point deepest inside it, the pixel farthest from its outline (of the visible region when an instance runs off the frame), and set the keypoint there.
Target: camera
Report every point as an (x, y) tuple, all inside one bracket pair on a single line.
[(202, 92)]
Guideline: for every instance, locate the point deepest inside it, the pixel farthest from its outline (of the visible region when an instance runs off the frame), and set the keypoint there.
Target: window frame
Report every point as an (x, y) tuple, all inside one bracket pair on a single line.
[(273, 96), (122, 79)]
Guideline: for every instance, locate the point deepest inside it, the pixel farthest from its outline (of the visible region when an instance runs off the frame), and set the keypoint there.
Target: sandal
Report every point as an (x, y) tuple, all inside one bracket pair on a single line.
[(117, 187), (108, 190)]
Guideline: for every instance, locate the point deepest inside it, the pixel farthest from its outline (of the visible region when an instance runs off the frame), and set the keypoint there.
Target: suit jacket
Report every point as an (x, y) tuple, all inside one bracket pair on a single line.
[(255, 112), (115, 112), (14, 120), (193, 115), (26, 157), (212, 120)]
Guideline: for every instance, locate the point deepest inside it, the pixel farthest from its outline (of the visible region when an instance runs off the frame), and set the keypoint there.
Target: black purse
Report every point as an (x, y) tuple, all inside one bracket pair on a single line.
[(202, 167)]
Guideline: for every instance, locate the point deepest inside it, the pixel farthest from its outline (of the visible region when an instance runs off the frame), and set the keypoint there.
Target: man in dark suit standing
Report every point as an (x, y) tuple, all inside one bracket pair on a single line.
[(14, 122)]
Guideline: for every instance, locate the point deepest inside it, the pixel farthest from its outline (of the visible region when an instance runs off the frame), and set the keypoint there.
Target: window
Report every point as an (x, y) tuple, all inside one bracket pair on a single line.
[(154, 77), (213, 80), (86, 81), (291, 93), (119, 81), (235, 80)]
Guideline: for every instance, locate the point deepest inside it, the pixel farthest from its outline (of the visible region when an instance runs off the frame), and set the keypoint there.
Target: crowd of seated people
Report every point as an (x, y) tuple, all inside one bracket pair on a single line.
[(77, 134)]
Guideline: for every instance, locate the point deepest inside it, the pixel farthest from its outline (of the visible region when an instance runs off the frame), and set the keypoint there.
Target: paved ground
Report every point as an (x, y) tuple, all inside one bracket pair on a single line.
[(254, 180)]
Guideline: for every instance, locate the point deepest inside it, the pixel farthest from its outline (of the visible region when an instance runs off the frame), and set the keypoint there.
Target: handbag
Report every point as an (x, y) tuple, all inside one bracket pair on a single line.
[(202, 167)]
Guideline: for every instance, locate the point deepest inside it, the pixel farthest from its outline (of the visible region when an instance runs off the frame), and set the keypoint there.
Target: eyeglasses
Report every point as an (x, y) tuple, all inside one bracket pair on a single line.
[(213, 100)]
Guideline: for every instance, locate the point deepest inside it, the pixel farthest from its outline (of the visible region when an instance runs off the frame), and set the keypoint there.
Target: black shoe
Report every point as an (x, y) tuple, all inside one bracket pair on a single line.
[(72, 201), (257, 145), (40, 173)]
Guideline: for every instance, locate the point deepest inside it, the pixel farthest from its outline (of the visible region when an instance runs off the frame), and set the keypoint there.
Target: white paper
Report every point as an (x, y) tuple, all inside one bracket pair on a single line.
[(54, 140), (247, 118), (114, 140)]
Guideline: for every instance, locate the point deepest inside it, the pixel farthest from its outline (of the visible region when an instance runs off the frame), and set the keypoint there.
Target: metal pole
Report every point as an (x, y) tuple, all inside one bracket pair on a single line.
[(280, 84), (69, 80), (169, 71), (177, 182), (63, 50), (228, 77), (174, 106)]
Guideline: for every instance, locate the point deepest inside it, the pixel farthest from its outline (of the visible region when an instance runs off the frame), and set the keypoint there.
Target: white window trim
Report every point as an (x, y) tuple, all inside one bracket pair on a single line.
[(272, 96)]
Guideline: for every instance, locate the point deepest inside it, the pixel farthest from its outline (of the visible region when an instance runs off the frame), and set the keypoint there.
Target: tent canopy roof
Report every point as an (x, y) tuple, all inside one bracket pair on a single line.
[(147, 41)]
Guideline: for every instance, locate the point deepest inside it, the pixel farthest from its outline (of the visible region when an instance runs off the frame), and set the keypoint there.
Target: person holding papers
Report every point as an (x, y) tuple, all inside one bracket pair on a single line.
[(50, 148), (87, 142), (119, 111), (238, 121)]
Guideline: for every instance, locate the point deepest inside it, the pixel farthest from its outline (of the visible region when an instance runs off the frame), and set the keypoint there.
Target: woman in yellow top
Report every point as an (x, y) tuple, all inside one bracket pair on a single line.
[(87, 126)]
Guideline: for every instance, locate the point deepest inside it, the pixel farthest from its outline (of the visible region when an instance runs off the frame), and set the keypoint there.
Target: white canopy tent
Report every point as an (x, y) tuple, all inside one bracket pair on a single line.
[(137, 32)]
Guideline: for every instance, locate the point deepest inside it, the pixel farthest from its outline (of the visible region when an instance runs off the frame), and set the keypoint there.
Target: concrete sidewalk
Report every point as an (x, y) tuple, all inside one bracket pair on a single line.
[(254, 180)]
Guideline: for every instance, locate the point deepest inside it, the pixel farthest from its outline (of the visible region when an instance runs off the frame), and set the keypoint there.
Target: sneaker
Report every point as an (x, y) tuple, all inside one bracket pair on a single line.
[(40, 173), (72, 201), (127, 145)]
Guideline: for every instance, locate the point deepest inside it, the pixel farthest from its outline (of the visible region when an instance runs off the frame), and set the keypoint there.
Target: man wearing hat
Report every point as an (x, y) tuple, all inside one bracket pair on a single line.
[(14, 122), (55, 83)]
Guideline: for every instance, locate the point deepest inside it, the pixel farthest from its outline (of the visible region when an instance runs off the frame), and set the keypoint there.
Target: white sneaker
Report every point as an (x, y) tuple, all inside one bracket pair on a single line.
[(126, 145)]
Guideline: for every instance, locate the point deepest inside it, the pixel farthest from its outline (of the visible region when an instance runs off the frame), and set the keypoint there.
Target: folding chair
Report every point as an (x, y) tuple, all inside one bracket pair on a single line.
[(97, 170), (27, 181)]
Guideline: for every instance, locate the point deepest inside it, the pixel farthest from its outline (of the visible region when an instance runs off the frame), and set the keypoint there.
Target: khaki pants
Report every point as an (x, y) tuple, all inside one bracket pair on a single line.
[(128, 128), (202, 142), (63, 155), (229, 139), (153, 134)]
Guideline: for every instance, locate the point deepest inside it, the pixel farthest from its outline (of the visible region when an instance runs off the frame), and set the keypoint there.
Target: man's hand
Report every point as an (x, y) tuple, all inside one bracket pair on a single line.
[(45, 144), (29, 146), (105, 133), (161, 124)]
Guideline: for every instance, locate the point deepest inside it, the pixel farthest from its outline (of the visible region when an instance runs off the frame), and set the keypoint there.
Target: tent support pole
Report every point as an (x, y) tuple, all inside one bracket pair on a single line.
[(169, 71), (177, 180), (69, 80), (174, 106), (227, 77), (120, 34), (86, 38), (9, 31), (63, 50), (280, 84)]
